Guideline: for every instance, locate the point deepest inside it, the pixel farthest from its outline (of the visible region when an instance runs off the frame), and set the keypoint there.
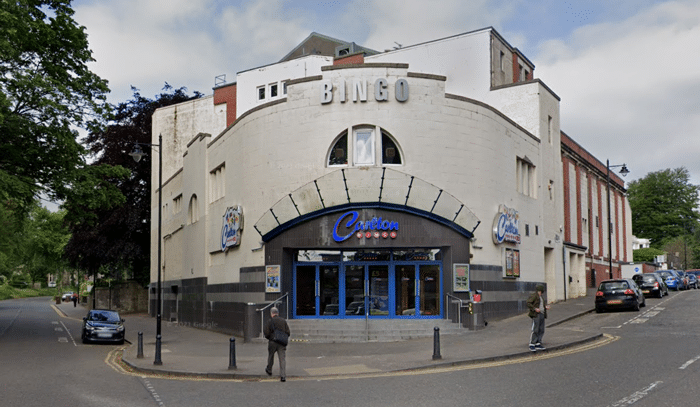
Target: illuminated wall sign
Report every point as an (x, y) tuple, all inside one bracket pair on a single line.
[(505, 226), (358, 90), (231, 229), (375, 228)]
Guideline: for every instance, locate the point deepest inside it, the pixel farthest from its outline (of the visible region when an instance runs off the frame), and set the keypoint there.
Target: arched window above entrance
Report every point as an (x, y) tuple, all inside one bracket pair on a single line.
[(360, 147)]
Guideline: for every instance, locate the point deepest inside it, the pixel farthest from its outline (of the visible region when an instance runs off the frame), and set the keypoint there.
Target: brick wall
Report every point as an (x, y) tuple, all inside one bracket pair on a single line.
[(227, 94), (350, 59)]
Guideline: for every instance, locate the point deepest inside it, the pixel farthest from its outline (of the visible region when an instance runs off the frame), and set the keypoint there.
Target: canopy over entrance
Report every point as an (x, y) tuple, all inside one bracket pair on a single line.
[(372, 187)]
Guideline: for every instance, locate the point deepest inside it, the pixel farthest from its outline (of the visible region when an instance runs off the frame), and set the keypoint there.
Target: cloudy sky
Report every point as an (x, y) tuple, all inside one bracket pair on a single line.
[(627, 71)]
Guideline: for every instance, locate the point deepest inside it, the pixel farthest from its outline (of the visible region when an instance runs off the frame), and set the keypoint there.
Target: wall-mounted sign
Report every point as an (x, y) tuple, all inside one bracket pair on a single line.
[(272, 279), (232, 226), (460, 276), (358, 90), (505, 226), (374, 228)]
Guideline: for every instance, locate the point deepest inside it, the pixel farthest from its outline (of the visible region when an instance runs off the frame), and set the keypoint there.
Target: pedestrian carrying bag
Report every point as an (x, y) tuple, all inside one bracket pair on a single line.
[(280, 337)]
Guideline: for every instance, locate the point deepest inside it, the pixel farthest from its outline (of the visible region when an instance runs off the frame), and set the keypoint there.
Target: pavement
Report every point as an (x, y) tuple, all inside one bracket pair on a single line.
[(188, 351)]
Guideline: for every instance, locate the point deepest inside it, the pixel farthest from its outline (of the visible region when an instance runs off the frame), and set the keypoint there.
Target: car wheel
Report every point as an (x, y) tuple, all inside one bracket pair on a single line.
[(636, 306), (84, 338), (661, 293), (598, 310), (644, 302)]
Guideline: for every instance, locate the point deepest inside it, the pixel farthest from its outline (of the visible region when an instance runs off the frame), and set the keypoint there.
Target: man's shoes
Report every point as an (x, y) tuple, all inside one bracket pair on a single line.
[(283, 379), (269, 372), (539, 346), (532, 348)]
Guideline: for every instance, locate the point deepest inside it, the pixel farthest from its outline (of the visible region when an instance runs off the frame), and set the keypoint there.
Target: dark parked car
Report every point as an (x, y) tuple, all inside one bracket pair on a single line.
[(651, 284), (619, 294), (103, 325), (696, 273)]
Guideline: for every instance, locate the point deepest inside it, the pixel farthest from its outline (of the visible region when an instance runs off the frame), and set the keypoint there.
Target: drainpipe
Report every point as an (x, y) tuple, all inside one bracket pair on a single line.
[(563, 255)]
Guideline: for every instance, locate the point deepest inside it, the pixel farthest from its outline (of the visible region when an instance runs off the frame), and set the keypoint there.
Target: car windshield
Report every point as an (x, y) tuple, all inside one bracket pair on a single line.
[(614, 285), (665, 274), (647, 278), (104, 316)]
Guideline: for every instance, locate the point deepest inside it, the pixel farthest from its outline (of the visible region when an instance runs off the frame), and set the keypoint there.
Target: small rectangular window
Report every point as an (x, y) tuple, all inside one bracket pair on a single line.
[(525, 177), (502, 61), (364, 147), (217, 183), (273, 90), (261, 93)]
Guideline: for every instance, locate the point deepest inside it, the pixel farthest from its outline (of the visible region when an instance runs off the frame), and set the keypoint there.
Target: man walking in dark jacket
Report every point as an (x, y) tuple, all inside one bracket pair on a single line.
[(276, 323), (538, 312)]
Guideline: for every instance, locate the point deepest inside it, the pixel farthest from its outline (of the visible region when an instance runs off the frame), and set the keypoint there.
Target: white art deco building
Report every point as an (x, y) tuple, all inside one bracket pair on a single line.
[(357, 184)]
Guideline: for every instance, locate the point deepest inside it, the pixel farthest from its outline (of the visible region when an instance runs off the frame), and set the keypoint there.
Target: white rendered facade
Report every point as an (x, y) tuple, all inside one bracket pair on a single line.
[(469, 143)]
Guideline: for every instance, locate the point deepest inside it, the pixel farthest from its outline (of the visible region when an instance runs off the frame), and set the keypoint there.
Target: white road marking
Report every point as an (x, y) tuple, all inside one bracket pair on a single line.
[(152, 391), (690, 362), (636, 396), (63, 339), (58, 329), (68, 332), (639, 320)]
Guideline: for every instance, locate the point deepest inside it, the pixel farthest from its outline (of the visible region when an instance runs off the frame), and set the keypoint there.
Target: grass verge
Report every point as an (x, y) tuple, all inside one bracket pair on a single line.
[(8, 292)]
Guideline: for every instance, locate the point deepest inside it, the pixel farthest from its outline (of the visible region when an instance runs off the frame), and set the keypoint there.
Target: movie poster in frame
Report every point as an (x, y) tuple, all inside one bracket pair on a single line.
[(460, 276), (272, 279), (512, 263)]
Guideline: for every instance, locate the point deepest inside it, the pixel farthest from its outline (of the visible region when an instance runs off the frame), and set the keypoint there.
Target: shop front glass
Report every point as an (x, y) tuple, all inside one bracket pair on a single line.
[(368, 284)]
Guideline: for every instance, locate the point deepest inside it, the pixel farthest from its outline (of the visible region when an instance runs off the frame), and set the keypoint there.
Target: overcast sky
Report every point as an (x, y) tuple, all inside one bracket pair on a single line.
[(627, 71)]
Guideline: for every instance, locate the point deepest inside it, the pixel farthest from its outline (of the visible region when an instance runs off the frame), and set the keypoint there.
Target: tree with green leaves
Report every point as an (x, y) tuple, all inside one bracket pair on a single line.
[(118, 238), (47, 92), (664, 205), (45, 237)]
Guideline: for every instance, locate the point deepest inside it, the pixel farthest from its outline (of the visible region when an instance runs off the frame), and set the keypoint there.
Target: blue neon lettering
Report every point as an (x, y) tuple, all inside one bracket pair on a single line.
[(357, 225)]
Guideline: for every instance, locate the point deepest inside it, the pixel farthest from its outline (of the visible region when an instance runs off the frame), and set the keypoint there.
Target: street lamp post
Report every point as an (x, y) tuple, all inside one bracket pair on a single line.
[(623, 171), (137, 153)]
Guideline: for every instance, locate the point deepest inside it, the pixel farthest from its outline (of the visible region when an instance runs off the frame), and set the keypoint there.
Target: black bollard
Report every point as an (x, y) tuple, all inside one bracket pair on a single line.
[(158, 360), (436, 344), (232, 354), (139, 352)]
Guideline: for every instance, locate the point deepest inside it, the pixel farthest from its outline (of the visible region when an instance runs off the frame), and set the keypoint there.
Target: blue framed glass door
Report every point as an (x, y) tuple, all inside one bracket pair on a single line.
[(360, 288)]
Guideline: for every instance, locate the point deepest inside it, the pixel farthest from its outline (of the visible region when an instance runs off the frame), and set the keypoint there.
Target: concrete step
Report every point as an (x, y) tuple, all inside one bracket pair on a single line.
[(360, 330)]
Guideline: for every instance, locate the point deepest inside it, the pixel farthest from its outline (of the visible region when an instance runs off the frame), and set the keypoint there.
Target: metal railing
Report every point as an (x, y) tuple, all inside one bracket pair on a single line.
[(459, 313), (262, 311)]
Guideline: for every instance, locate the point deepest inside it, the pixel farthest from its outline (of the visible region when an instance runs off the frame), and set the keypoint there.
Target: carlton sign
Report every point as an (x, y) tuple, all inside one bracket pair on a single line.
[(231, 228), (505, 225)]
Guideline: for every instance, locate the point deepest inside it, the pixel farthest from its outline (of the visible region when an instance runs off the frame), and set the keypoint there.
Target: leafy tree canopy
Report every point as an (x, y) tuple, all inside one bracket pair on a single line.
[(118, 238), (664, 205), (46, 93), (646, 254)]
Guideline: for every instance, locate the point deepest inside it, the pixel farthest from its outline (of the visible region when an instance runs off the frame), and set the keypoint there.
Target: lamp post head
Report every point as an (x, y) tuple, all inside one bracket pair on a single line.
[(624, 171), (136, 153)]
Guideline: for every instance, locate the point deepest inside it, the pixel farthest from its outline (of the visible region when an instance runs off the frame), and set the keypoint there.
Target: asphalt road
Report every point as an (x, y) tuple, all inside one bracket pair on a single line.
[(652, 359)]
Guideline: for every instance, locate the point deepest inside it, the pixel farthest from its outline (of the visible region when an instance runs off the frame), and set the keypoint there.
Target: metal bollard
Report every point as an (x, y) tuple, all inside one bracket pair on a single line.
[(436, 344), (232, 354), (139, 352), (158, 361)]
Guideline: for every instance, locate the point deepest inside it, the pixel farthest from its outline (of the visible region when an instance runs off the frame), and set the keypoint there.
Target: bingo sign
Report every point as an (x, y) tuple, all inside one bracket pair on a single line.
[(505, 226), (231, 229)]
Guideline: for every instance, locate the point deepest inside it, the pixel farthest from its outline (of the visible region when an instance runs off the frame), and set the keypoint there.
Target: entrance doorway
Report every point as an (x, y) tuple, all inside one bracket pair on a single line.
[(363, 284)]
